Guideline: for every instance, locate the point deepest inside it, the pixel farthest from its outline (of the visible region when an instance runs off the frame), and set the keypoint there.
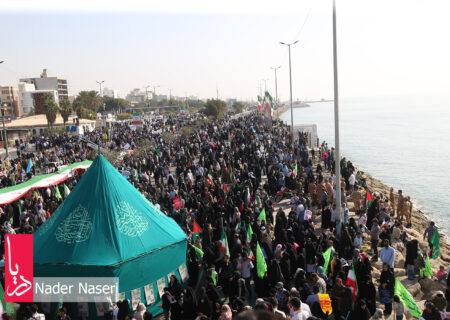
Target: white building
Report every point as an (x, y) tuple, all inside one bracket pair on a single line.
[(110, 93), (26, 91), (138, 96)]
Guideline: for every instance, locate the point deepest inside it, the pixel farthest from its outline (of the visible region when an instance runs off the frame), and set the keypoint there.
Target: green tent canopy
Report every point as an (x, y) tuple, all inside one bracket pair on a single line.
[(105, 227)]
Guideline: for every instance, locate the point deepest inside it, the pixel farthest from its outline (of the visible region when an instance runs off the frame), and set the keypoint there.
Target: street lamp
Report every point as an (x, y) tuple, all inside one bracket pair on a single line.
[(276, 85), (290, 86), (3, 120), (337, 156), (100, 84), (4, 130)]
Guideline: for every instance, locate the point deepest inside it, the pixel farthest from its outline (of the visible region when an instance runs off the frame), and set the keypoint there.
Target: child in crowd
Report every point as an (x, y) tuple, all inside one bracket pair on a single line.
[(398, 308), (441, 275)]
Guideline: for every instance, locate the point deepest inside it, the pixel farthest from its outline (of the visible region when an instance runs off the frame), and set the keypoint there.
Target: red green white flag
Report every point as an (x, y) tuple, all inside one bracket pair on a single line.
[(352, 283), (369, 198), (224, 244), (248, 197), (196, 228)]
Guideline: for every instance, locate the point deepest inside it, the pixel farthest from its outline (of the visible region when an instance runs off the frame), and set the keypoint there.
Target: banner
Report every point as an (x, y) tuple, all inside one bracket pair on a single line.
[(161, 285), (135, 297), (11, 194), (183, 272), (325, 303), (137, 119), (149, 294)]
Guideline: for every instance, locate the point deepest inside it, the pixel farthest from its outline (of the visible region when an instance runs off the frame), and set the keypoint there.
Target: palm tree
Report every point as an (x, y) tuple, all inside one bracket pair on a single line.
[(65, 109), (78, 107), (51, 109), (90, 100)]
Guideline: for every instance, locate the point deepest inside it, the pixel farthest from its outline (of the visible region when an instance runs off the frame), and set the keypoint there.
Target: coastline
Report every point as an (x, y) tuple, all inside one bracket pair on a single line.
[(420, 289)]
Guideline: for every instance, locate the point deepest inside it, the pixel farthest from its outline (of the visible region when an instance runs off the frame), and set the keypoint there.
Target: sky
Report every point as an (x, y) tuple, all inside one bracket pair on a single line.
[(196, 47)]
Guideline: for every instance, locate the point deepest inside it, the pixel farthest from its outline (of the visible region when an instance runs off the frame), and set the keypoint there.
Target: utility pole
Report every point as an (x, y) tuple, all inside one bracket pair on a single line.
[(217, 91), (290, 86), (337, 156), (276, 87)]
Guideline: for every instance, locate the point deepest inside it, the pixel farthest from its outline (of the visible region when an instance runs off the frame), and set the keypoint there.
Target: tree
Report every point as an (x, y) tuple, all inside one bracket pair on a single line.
[(50, 108), (124, 116), (90, 100), (214, 108), (78, 107), (114, 104), (65, 109), (238, 106)]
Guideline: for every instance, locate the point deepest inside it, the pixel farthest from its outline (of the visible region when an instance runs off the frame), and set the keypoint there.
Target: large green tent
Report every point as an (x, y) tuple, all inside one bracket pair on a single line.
[(105, 227)]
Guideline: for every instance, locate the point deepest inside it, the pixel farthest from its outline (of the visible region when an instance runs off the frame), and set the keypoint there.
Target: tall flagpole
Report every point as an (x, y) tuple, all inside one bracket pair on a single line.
[(337, 157)]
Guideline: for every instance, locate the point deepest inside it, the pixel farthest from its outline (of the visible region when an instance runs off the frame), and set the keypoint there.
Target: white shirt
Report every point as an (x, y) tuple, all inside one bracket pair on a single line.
[(352, 179), (358, 242), (299, 315), (37, 316)]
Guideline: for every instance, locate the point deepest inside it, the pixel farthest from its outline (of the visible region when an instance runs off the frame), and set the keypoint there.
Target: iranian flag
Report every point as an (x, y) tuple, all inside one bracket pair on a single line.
[(248, 197), (351, 282), (224, 244), (196, 228), (225, 188), (250, 254), (369, 198)]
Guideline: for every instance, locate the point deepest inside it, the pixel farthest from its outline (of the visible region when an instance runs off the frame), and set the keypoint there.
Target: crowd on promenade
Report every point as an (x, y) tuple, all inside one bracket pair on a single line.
[(248, 257)]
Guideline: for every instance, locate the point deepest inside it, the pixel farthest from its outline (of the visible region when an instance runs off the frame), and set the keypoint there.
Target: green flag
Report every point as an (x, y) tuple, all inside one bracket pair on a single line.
[(261, 266), (426, 271), (407, 299), (296, 170), (326, 256), (213, 276), (436, 247), (57, 193), (262, 215), (249, 233), (6, 306), (198, 252), (66, 191)]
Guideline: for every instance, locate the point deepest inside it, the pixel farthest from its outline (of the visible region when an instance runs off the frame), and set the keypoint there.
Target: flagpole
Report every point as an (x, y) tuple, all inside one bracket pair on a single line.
[(337, 157)]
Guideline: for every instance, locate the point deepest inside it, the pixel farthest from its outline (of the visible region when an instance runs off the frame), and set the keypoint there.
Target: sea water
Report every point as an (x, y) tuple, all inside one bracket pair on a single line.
[(402, 141)]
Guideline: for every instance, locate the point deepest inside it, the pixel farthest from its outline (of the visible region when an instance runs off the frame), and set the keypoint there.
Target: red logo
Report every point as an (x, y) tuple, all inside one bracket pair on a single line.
[(19, 268)]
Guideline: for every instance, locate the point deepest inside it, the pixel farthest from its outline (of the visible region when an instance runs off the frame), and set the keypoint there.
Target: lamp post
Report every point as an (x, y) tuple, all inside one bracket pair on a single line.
[(3, 109), (337, 156), (100, 84), (4, 129), (290, 86), (276, 86)]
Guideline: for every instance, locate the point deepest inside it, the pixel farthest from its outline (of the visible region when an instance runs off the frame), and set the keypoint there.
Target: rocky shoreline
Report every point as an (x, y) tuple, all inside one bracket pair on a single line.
[(420, 289)]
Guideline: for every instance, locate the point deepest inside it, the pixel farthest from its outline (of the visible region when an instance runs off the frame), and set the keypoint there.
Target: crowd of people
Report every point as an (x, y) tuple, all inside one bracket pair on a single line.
[(223, 176)]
